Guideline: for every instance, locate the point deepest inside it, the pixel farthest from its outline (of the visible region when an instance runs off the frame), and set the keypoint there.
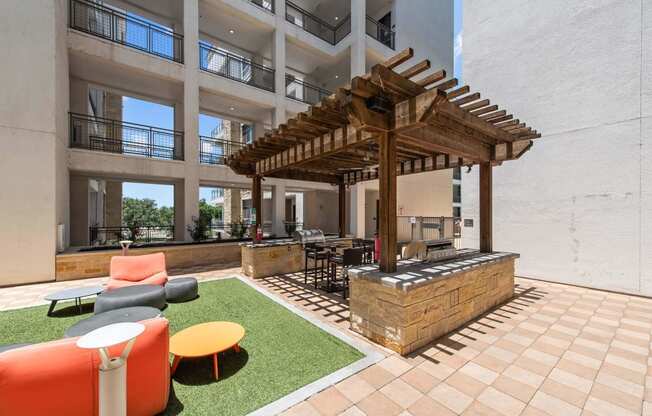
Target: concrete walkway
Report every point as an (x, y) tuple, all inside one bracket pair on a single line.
[(552, 350)]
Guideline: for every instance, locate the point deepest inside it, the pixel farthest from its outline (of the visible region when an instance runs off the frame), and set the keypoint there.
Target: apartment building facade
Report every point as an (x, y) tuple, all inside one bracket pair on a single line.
[(65, 149), (582, 73)]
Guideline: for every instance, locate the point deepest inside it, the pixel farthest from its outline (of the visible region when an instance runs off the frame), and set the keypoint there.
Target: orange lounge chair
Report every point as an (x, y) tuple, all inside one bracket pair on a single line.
[(148, 269), (59, 378)]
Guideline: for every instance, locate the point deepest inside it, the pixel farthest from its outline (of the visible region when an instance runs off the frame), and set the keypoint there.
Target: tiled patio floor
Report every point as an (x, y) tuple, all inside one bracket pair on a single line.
[(552, 350)]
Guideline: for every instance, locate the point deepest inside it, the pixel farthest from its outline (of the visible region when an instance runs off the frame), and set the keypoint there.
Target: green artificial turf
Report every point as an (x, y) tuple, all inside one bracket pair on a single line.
[(280, 353)]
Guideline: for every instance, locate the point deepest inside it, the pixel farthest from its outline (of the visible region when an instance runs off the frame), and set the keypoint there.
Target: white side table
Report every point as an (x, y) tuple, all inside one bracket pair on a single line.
[(113, 370)]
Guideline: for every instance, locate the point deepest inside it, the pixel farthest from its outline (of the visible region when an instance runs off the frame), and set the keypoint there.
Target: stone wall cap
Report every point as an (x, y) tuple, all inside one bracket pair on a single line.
[(412, 274)]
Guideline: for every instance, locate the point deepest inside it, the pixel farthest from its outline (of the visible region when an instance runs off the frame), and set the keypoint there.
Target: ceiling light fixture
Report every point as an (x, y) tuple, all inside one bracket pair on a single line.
[(336, 76), (337, 18), (231, 31), (232, 108)]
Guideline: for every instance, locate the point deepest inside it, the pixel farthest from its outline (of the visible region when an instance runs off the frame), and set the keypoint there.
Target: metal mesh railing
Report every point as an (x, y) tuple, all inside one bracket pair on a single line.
[(427, 228), (302, 91), (146, 234), (215, 151), (380, 32), (116, 26), (318, 27), (115, 136), (264, 4), (239, 69)]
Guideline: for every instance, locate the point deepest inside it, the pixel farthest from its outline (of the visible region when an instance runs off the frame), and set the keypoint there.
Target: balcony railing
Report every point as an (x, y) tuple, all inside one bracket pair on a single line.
[(215, 151), (239, 69), (381, 33), (318, 27), (237, 230), (146, 233), (125, 29), (264, 4), (303, 91), (115, 136)]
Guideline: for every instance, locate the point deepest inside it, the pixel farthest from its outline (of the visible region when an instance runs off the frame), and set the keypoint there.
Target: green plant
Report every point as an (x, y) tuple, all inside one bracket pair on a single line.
[(199, 228), (238, 229), (290, 228)]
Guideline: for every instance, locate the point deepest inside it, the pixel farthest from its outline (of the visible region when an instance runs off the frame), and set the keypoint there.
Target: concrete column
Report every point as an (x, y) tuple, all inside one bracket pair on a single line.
[(232, 206), (278, 209), (179, 212), (79, 211), (191, 111), (113, 204), (178, 126), (358, 37), (278, 59), (357, 210)]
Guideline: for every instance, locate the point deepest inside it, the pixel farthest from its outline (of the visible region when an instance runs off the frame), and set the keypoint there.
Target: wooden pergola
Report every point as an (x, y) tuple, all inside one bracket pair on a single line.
[(385, 124)]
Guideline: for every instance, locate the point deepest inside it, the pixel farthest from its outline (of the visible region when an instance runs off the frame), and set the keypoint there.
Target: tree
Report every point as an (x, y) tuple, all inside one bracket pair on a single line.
[(209, 212), (144, 212)]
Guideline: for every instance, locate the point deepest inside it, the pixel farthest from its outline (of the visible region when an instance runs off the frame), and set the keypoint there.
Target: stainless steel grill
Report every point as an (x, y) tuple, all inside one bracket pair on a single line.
[(309, 236)]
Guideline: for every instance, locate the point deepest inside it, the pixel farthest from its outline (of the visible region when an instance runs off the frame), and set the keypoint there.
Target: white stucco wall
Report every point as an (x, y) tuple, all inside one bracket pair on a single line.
[(32, 108), (578, 205)]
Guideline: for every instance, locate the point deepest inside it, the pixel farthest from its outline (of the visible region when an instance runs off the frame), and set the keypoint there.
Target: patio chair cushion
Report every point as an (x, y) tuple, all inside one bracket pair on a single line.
[(181, 289), (124, 297), (59, 378), (130, 270)]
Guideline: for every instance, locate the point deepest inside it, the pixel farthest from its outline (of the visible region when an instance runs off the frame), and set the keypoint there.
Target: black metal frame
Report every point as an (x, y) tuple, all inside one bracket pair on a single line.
[(383, 34), (329, 33), (261, 76), (111, 137), (144, 233), (309, 91), (260, 4), (229, 147), (111, 19)]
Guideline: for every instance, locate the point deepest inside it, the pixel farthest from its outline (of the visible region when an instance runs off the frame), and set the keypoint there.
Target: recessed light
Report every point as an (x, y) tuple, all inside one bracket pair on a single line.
[(231, 31), (231, 108), (337, 18), (337, 76)]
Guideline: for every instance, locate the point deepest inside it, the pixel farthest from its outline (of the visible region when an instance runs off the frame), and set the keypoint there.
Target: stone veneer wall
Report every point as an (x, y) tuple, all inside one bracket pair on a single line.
[(72, 266), (264, 261), (405, 320)]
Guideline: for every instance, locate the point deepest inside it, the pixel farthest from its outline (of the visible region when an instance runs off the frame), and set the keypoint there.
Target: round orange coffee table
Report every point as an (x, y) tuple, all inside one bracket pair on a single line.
[(205, 339)]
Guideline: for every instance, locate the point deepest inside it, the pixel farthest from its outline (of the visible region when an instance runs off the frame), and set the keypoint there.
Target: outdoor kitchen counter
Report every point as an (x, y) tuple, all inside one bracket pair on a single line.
[(421, 302), (275, 257)]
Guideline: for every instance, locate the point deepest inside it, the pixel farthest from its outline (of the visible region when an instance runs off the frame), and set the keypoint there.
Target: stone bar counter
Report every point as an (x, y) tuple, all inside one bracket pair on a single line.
[(422, 301), (275, 257)]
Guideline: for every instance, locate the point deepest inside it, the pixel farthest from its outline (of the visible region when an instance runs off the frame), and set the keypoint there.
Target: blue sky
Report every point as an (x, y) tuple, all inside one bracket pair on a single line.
[(143, 112)]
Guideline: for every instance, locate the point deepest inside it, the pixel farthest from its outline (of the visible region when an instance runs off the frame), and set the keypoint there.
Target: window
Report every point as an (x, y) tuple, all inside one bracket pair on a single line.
[(457, 212), (247, 131), (457, 173), (457, 193)]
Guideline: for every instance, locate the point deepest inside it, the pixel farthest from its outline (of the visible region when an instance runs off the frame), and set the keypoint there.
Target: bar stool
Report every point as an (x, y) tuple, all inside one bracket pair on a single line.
[(320, 261), (351, 257)]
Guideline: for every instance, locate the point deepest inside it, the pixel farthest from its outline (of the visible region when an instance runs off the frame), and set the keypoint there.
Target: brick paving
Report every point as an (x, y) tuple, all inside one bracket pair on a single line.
[(552, 350)]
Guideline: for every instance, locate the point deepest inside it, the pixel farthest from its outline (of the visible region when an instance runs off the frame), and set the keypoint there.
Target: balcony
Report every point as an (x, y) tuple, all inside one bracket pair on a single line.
[(215, 151), (316, 26), (115, 136), (303, 91), (125, 29), (264, 4), (222, 63), (381, 33)]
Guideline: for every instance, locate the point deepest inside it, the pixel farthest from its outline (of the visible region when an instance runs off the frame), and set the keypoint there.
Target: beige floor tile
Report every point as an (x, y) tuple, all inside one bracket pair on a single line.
[(625, 363), (378, 404), (451, 397), (577, 369), (620, 399), (501, 402), (479, 409), (329, 402), (625, 386), (302, 409), (533, 366), (514, 388), (563, 392), (604, 408), (395, 365), (479, 373), (571, 380), (524, 376), (491, 362), (353, 411), (426, 406), (355, 388), (376, 376), (466, 384), (420, 380), (401, 393), (553, 406)]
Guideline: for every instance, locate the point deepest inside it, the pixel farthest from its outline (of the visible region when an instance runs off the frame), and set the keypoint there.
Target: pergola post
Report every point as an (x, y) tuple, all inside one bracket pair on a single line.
[(486, 215), (387, 203), (257, 199), (342, 209)]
